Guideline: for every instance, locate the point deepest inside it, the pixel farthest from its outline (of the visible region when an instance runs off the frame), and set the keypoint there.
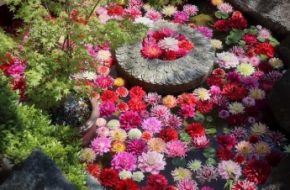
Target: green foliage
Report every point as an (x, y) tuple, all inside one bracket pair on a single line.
[(234, 36), (202, 19), (7, 43), (161, 3), (221, 15), (24, 128)]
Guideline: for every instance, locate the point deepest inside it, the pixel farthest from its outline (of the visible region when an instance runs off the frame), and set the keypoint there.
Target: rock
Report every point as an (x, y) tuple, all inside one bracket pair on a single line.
[(273, 14), (279, 178), (279, 101), (37, 172), (284, 50)]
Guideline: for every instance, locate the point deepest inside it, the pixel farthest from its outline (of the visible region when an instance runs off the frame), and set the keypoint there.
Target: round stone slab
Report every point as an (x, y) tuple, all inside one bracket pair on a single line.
[(167, 77)]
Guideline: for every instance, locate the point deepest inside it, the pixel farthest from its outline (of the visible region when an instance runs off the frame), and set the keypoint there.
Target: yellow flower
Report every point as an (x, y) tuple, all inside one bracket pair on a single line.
[(202, 94), (87, 155), (180, 174), (257, 94), (118, 147), (118, 134), (169, 101), (216, 44), (216, 2), (169, 10), (262, 148), (236, 108), (119, 82), (244, 148), (157, 144), (246, 69)]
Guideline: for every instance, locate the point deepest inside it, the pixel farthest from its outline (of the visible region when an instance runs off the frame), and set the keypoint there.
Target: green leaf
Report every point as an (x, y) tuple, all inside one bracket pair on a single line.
[(209, 153), (234, 37), (221, 15)]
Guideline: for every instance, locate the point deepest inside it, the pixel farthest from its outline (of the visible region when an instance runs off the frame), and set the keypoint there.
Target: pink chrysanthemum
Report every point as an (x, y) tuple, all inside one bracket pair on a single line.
[(133, 12), (107, 108), (151, 162), (153, 15), (152, 98), (152, 124), (104, 82), (136, 146), (206, 173), (173, 121), (176, 148), (180, 17), (161, 112), (187, 184), (207, 32), (129, 120), (101, 145), (151, 51), (187, 111), (225, 8), (124, 161), (229, 170), (244, 185), (135, 4), (191, 10), (200, 141)]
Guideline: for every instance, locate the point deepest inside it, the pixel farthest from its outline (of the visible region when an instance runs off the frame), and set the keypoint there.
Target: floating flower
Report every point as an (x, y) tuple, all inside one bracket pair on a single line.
[(159, 111), (180, 17), (227, 60), (151, 162), (152, 98), (119, 82), (157, 145), (124, 161), (229, 170), (243, 185), (87, 155), (157, 181), (225, 8), (138, 176), (169, 101), (101, 145), (194, 165), (187, 184), (236, 108), (153, 15), (151, 51), (259, 129), (176, 148), (152, 125), (206, 173), (276, 63), (118, 146), (113, 124), (200, 141), (104, 55), (134, 134), (127, 184), (136, 146), (191, 10), (262, 148), (118, 134), (169, 10), (168, 134), (257, 171), (257, 94), (246, 69), (202, 94), (103, 131), (173, 121), (107, 108), (207, 32), (129, 120), (109, 177), (216, 44), (180, 174), (124, 174)]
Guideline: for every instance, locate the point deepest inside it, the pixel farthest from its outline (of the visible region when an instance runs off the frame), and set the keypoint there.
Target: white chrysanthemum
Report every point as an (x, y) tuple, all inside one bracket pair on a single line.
[(276, 63), (216, 44), (244, 148), (169, 10), (89, 75), (147, 7), (257, 93), (236, 108), (118, 135), (202, 94), (259, 129), (227, 60), (145, 21), (113, 124), (134, 134), (246, 69), (169, 44), (138, 176), (262, 148), (180, 174), (124, 174), (104, 55), (194, 165)]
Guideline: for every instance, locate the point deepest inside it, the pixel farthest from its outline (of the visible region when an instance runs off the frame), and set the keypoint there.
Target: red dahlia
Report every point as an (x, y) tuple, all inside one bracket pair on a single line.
[(115, 10), (127, 184), (195, 130), (234, 91), (250, 39), (237, 21), (204, 106), (157, 181), (109, 95), (224, 154), (228, 141), (109, 177), (168, 134), (135, 104), (222, 25), (186, 99), (257, 171), (266, 49), (137, 92), (93, 169)]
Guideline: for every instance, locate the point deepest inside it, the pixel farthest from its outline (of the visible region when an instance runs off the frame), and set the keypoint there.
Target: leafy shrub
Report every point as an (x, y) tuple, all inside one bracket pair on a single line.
[(24, 128)]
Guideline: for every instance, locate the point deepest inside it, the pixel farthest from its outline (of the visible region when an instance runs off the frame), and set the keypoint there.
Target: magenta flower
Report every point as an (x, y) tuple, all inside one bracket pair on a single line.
[(124, 161), (107, 109), (160, 112), (176, 148), (101, 145), (152, 125), (191, 10), (129, 120), (207, 32), (206, 173), (187, 184), (153, 15), (151, 162), (136, 146), (180, 17), (229, 170), (104, 82)]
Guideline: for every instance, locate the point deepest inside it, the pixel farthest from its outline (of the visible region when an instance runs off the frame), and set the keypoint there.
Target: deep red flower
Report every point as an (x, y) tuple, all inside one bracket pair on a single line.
[(122, 91), (237, 21), (222, 25), (157, 181), (265, 49), (274, 158), (195, 130), (185, 44), (253, 139), (236, 120), (224, 154), (170, 55), (109, 177), (228, 141), (136, 104), (109, 95), (127, 184), (219, 72), (250, 39), (137, 92), (123, 106), (240, 159), (115, 10), (234, 91), (214, 80), (204, 106), (186, 99), (168, 134), (257, 171), (94, 170), (252, 111), (170, 187), (265, 67)]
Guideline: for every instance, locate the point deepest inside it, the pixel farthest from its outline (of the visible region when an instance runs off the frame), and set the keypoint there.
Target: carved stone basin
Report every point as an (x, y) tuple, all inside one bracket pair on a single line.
[(167, 77)]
